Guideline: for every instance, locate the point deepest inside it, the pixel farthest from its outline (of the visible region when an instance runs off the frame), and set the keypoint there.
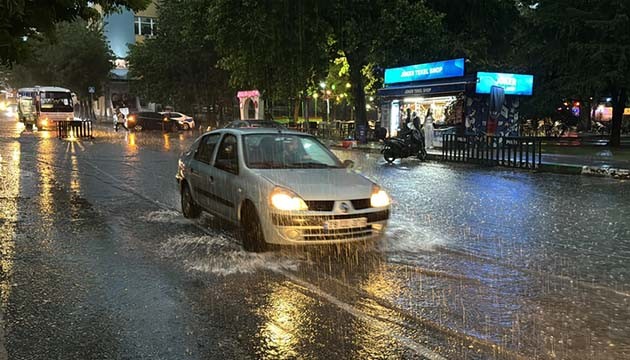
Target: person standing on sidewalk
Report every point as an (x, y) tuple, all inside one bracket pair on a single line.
[(428, 130)]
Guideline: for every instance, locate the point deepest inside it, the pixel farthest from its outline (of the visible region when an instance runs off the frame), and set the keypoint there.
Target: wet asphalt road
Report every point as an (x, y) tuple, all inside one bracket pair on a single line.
[(97, 263)]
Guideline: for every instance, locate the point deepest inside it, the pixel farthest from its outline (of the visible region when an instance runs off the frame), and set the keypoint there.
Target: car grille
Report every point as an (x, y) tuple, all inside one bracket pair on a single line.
[(327, 205), (361, 204), (319, 205), (318, 220), (340, 234)]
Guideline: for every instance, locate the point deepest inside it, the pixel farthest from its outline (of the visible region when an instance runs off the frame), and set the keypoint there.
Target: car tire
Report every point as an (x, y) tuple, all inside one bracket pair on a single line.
[(389, 155), (189, 208), (138, 127), (251, 230), (174, 127), (185, 127)]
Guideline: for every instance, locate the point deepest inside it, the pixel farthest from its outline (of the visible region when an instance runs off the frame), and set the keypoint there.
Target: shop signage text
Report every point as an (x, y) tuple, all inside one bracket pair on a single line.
[(428, 71), (512, 84)]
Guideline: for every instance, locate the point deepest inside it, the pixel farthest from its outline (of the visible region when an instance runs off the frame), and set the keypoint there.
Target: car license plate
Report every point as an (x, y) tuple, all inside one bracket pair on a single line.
[(345, 223)]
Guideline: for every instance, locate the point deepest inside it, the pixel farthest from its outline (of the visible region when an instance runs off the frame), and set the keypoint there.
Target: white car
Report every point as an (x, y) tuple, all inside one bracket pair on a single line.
[(281, 187), (185, 122)]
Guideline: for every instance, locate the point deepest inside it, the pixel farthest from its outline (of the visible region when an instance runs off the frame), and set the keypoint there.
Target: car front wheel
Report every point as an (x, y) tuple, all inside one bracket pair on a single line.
[(186, 127), (189, 208), (138, 127), (251, 233)]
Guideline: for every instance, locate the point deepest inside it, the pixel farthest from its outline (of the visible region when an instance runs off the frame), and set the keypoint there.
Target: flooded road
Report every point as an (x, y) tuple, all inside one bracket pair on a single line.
[(97, 262)]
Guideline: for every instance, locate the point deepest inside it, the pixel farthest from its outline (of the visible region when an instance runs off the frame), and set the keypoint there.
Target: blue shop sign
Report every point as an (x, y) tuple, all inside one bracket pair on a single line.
[(513, 84), (429, 71)]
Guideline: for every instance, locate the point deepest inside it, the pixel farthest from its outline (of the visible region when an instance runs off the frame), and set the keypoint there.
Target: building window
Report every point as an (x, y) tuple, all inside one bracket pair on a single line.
[(146, 26)]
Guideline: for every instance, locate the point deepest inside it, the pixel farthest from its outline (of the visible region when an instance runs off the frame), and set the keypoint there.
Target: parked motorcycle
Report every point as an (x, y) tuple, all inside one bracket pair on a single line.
[(408, 144)]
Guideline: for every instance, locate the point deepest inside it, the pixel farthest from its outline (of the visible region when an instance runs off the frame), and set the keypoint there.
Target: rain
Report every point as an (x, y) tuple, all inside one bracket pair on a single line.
[(99, 262)]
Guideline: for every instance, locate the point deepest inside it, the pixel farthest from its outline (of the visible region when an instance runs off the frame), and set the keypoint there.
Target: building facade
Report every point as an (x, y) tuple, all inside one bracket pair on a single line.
[(121, 30)]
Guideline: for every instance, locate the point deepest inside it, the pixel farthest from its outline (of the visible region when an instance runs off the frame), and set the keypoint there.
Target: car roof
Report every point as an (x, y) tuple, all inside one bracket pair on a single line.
[(254, 123), (250, 131)]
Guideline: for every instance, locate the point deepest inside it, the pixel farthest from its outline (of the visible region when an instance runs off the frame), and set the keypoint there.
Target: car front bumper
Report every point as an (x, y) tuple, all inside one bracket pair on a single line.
[(311, 228)]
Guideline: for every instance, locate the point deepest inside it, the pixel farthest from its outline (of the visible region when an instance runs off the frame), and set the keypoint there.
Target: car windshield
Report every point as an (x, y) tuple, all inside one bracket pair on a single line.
[(282, 151)]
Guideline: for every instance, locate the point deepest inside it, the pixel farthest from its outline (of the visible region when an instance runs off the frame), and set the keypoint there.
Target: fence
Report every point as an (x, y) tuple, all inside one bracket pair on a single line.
[(510, 151), (74, 129)]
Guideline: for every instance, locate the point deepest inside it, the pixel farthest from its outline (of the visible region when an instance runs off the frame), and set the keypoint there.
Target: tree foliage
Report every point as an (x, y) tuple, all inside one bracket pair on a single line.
[(581, 49), (21, 19), (482, 31), (385, 32), (276, 46), (179, 66), (77, 57)]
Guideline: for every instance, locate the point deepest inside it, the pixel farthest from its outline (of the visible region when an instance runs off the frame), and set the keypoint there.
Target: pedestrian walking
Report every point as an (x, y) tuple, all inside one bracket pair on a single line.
[(120, 120), (428, 130)]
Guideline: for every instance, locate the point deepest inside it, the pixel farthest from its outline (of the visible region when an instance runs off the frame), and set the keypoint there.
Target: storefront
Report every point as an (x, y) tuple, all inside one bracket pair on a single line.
[(478, 103)]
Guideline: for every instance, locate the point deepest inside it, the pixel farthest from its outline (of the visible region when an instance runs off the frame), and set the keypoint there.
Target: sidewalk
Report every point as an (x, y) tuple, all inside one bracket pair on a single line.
[(587, 160)]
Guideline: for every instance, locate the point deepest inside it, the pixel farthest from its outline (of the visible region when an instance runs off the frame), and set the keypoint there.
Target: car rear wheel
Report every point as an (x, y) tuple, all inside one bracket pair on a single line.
[(251, 233), (174, 127), (189, 208)]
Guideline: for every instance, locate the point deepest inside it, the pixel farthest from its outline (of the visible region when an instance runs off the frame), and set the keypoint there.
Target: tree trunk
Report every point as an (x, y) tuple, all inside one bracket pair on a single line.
[(619, 104), (358, 91), (296, 108)]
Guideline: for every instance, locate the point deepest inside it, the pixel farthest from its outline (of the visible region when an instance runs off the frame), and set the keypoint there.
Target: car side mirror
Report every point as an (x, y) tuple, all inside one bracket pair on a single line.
[(348, 164)]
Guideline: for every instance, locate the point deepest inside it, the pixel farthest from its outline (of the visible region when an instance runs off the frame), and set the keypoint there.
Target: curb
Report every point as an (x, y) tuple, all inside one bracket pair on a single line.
[(623, 174), (556, 168)]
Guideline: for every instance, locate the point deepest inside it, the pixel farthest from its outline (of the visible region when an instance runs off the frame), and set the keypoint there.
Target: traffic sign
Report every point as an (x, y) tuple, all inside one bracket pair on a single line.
[(91, 90)]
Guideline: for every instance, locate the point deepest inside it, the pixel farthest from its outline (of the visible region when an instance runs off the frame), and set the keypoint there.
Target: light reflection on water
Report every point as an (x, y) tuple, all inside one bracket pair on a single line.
[(9, 194), (286, 323)]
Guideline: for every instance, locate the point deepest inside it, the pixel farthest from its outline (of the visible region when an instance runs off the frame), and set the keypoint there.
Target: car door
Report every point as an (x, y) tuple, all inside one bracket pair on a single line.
[(155, 120), (201, 171), (227, 187)]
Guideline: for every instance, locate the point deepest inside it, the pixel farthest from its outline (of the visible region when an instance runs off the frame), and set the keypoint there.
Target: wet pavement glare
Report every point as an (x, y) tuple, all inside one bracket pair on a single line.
[(98, 262)]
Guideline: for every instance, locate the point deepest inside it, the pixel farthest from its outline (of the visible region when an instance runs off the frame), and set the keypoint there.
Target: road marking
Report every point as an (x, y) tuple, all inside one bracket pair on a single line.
[(382, 325)]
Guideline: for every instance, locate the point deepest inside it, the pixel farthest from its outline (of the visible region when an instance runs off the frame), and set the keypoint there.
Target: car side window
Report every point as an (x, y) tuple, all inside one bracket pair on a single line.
[(206, 148), (227, 156)]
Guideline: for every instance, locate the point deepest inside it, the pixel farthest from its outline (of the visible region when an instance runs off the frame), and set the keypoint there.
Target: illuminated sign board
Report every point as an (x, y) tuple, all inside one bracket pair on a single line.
[(429, 71), (512, 84)]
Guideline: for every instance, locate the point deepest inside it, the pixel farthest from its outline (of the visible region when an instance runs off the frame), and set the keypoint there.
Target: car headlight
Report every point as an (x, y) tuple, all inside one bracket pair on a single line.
[(286, 200), (379, 197)]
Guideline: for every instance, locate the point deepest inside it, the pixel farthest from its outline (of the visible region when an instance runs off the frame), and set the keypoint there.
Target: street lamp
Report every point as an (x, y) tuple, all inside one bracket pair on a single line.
[(315, 96)]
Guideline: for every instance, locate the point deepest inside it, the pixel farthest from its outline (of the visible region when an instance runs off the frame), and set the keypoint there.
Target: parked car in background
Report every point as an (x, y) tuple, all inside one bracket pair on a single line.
[(281, 187), (149, 120), (185, 122)]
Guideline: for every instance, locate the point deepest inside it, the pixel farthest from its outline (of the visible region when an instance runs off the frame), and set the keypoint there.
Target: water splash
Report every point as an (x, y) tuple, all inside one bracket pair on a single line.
[(221, 255), (165, 216)]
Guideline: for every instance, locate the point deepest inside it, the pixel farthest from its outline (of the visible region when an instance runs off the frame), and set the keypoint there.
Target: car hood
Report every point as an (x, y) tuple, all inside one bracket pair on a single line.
[(320, 184)]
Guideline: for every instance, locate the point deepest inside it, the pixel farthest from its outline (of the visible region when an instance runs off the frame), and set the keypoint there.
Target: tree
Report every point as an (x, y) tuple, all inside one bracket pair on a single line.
[(179, 66), (581, 49), (276, 46), (24, 19), (76, 57), (383, 32), (482, 31)]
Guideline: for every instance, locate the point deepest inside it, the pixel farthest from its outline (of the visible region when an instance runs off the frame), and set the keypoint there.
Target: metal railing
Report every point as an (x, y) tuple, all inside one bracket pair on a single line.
[(510, 151), (74, 129)]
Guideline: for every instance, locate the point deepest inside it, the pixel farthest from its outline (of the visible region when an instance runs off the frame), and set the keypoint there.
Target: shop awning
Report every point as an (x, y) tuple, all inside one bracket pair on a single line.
[(428, 88)]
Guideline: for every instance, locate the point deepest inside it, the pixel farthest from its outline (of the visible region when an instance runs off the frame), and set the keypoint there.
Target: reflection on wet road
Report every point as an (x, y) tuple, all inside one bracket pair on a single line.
[(97, 262)]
